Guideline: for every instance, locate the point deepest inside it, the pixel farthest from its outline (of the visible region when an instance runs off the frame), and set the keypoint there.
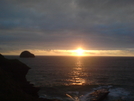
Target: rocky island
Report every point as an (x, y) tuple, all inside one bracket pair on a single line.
[(27, 54)]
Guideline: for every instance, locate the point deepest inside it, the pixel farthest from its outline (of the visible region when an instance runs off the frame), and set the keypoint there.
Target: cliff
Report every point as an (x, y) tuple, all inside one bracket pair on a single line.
[(13, 83)]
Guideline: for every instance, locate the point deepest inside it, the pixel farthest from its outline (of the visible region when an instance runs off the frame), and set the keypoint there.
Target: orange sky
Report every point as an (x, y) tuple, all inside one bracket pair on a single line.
[(77, 52)]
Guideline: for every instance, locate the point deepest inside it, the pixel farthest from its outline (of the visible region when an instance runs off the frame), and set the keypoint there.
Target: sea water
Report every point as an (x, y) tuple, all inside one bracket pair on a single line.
[(71, 78)]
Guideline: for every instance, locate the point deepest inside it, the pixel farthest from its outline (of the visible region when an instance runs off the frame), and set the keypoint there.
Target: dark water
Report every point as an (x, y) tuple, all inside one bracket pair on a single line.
[(73, 78)]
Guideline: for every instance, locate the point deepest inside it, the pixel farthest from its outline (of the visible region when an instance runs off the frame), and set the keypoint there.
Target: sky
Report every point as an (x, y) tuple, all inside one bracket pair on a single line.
[(57, 27)]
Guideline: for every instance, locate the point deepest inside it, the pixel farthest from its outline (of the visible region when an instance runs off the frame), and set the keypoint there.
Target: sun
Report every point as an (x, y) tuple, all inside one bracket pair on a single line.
[(80, 52)]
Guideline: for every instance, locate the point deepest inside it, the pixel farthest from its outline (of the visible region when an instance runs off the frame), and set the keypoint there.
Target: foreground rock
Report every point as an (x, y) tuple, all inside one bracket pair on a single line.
[(13, 83), (99, 95), (27, 54)]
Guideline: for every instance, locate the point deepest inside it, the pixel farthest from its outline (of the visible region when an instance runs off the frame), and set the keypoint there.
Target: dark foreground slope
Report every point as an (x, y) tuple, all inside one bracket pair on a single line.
[(13, 83)]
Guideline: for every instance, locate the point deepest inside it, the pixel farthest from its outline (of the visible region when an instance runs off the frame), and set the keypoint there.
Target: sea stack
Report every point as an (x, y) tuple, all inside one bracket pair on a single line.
[(27, 54)]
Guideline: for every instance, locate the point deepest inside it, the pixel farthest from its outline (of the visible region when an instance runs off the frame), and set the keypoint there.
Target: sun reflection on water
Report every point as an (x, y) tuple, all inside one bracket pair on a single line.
[(77, 73)]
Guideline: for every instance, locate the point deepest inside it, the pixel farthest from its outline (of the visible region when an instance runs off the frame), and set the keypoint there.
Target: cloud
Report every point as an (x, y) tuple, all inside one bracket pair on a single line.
[(70, 14), (66, 24)]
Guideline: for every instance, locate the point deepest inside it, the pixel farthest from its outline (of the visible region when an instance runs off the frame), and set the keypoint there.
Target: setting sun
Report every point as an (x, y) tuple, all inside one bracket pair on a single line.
[(80, 52)]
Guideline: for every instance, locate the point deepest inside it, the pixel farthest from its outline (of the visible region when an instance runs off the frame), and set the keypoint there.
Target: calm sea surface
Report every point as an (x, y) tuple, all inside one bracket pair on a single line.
[(74, 78)]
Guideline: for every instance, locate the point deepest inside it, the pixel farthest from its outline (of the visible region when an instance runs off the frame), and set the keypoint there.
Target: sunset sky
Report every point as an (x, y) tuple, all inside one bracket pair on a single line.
[(60, 27)]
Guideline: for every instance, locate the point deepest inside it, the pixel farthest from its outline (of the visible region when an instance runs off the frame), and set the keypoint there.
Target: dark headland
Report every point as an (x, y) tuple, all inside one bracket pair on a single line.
[(13, 83)]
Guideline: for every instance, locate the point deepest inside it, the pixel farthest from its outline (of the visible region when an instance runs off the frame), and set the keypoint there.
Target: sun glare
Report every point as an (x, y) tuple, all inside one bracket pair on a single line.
[(80, 52)]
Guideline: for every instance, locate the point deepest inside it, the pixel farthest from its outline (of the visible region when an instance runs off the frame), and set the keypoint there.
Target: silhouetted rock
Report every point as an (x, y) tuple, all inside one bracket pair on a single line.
[(14, 66), (13, 83), (26, 54), (99, 95), (13, 80)]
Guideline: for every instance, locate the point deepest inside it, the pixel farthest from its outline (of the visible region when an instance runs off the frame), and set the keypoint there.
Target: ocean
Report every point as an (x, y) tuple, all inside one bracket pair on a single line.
[(73, 78)]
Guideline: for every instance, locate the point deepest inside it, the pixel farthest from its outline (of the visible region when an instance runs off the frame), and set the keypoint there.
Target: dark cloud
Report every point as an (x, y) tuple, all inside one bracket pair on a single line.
[(65, 24)]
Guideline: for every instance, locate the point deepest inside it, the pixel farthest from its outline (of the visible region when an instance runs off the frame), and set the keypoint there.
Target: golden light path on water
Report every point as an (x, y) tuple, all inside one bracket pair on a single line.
[(77, 73)]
